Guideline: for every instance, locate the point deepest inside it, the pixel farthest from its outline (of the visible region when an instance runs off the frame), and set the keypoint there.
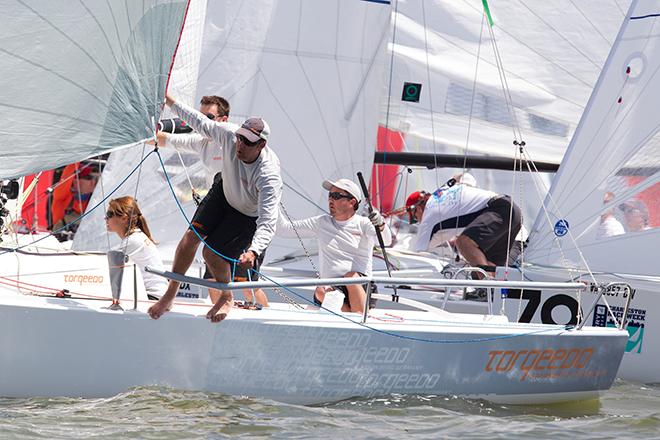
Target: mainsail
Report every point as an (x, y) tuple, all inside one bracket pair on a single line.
[(611, 172), (90, 79)]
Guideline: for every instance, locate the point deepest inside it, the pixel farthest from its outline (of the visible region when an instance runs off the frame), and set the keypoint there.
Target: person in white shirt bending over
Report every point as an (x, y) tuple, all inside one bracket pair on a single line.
[(125, 219), (486, 222), (237, 218), (345, 241)]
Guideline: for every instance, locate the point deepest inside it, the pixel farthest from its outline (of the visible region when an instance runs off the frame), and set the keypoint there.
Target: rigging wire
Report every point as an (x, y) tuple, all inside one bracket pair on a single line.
[(472, 100), (131, 215), (517, 135), (300, 240), (101, 179), (195, 195)]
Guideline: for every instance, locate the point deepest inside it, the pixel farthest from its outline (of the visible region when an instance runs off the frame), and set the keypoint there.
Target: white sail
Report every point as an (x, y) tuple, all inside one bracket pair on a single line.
[(313, 70), (150, 185), (551, 54), (89, 80), (611, 172)]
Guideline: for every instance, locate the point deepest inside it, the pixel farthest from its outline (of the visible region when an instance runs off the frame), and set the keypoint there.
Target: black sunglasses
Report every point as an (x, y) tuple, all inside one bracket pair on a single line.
[(210, 116), (246, 142), (338, 196), (110, 214)]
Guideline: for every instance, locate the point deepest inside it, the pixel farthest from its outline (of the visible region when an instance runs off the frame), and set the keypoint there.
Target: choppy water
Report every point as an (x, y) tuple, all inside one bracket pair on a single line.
[(627, 411)]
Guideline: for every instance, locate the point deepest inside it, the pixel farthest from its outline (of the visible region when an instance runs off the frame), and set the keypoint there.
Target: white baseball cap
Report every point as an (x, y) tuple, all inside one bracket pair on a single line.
[(346, 184)]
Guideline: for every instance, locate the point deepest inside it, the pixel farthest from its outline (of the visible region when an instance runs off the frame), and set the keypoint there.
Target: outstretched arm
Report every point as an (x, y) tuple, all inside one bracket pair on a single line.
[(218, 131), (305, 228)]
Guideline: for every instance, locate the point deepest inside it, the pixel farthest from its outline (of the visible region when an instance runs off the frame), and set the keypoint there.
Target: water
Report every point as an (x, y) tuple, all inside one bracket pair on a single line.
[(626, 411)]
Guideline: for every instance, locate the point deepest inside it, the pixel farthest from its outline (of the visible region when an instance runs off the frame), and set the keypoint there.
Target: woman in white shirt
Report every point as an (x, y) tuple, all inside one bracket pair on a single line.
[(126, 220)]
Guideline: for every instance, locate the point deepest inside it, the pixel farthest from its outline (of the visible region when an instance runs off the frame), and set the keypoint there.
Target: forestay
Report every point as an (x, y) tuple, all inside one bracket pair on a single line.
[(81, 78), (606, 195)]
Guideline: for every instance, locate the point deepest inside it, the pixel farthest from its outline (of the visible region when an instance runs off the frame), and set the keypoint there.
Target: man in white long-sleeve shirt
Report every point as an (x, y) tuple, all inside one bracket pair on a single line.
[(345, 240), (243, 204), (210, 151), (486, 222)]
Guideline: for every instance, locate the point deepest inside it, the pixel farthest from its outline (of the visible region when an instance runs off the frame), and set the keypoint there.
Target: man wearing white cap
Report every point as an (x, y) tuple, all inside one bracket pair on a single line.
[(237, 219), (345, 240)]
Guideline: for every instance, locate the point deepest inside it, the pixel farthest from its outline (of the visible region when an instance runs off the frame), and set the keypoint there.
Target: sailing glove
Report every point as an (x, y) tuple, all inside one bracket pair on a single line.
[(376, 219)]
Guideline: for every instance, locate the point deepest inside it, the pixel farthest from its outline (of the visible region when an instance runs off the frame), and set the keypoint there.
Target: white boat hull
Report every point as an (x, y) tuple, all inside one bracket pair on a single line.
[(550, 307), (73, 346), (65, 347)]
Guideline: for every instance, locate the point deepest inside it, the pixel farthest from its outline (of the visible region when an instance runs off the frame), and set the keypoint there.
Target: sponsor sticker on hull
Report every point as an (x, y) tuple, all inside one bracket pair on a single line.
[(635, 325), (83, 279), (541, 364)]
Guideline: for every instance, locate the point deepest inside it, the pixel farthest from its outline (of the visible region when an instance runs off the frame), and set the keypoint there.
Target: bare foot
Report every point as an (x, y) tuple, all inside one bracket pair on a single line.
[(220, 309), (157, 310)]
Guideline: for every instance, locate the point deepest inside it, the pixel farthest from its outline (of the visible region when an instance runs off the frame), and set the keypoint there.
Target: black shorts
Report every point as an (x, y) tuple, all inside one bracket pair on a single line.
[(490, 229), (208, 214), (241, 273), (226, 230), (344, 290)]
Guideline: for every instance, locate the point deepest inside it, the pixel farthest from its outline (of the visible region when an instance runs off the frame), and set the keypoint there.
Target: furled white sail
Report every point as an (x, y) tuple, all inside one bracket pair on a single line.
[(606, 195), (313, 70), (81, 78)]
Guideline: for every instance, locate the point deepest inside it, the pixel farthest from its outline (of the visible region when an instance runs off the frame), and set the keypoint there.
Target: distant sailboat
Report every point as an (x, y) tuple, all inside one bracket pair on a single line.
[(611, 172)]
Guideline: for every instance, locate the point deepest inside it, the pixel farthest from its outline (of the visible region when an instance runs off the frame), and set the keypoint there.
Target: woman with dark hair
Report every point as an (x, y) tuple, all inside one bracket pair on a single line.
[(126, 220)]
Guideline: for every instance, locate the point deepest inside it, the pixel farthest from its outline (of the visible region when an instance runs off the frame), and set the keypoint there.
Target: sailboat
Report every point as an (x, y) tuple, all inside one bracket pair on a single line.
[(58, 337), (610, 173)]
